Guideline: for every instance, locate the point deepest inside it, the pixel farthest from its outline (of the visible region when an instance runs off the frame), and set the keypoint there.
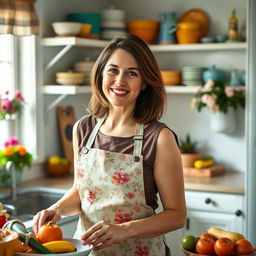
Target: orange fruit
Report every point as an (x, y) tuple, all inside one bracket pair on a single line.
[(49, 232)]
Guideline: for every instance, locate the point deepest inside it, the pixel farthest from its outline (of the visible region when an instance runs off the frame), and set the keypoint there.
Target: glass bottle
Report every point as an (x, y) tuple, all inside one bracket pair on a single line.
[(233, 26)]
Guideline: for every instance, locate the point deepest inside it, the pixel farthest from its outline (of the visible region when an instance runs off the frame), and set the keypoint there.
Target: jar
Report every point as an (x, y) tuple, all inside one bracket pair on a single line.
[(188, 33)]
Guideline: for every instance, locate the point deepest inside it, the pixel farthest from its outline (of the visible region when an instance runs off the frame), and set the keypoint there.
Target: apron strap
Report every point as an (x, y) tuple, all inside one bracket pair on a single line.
[(138, 141), (94, 133)]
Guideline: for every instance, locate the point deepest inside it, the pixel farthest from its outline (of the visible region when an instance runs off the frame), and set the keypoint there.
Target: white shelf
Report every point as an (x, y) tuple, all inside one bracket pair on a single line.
[(73, 90), (95, 43), (65, 89)]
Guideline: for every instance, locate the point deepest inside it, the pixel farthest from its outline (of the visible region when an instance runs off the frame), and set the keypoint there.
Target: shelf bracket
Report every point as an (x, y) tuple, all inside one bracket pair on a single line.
[(58, 56), (56, 101)]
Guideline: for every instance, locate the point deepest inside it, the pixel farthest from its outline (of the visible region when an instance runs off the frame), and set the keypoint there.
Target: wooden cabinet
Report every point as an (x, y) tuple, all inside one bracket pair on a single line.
[(214, 210)]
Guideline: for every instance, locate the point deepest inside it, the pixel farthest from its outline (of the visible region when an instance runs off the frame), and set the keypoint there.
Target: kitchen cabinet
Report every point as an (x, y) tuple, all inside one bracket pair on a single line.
[(214, 210)]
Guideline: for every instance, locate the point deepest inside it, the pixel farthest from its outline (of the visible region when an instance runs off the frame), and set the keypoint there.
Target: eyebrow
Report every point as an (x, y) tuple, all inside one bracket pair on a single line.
[(130, 68)]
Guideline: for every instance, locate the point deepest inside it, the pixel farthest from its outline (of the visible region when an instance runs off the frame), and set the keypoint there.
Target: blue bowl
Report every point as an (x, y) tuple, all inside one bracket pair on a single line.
[(90, 18), (221, 38)]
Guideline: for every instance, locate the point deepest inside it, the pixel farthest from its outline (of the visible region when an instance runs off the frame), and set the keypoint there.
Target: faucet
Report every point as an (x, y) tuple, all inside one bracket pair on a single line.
[(11, 168)]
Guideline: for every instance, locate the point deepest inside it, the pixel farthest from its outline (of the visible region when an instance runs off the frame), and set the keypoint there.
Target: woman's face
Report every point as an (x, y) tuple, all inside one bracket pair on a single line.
[(121, 79)]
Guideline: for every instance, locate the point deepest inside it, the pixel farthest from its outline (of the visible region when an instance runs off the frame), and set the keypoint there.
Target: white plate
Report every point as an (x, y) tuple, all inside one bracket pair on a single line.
[(81, 250)]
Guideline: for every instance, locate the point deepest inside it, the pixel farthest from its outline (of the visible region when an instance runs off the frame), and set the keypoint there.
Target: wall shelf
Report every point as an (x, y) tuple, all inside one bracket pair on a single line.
[(74, 90), (95, 43)]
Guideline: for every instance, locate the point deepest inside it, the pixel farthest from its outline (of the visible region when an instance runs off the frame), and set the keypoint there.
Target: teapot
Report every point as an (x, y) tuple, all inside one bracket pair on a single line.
[(167, 28), (214, 74)]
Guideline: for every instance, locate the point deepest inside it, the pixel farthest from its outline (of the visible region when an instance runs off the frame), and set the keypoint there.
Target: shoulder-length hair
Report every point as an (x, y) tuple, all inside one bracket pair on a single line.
[(151, 102)]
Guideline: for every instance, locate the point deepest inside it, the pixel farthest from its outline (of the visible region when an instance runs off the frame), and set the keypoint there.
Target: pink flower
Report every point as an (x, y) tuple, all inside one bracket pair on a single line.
[(18, 96), (215, 108), (198, 88), (12, 141), (122, 218), (205, 98), (120, 178), (229, 91), (141, 251), (80, 172), (130, 195), (91, 197)]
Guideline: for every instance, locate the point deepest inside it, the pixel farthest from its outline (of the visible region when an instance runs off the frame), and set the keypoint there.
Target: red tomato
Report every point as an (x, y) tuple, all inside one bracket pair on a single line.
[(243, 246), (224, 247), (207, 235), (205, 246)]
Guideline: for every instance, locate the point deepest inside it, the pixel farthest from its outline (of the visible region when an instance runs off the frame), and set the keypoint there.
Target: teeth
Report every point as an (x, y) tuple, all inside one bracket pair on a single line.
[(119, 91)]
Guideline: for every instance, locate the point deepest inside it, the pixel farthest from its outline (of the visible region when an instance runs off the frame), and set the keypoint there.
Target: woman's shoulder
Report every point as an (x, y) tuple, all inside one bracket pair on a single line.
[(86, 121), (155, 127)]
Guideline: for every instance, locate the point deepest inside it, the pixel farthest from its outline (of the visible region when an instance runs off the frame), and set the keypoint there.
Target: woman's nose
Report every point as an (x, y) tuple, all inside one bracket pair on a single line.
[(120, 78)]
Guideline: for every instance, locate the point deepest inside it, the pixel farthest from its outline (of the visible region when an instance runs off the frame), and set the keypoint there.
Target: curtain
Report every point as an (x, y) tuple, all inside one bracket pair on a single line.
[(18, 17)]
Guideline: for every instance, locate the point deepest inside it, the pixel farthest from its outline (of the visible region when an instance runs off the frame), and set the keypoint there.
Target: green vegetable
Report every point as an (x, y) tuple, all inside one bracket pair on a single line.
[(188, 242)]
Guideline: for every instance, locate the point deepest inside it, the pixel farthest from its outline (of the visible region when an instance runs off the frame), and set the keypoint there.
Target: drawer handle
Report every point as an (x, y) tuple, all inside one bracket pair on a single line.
[(238, 213), (208, 200)]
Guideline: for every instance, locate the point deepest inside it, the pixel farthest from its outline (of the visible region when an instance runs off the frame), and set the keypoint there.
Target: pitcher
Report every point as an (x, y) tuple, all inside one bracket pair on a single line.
[(167, 28)]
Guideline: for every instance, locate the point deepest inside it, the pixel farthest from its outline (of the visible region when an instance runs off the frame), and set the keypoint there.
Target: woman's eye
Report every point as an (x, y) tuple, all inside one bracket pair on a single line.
[(113, 70), (132, 73)]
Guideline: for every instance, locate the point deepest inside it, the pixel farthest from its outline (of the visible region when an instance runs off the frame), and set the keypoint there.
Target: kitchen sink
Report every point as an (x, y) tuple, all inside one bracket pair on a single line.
[(29, 202)]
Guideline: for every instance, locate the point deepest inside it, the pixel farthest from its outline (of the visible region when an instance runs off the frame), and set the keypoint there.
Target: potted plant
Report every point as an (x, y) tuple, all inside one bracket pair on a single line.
[(189, 153), (17, 154)]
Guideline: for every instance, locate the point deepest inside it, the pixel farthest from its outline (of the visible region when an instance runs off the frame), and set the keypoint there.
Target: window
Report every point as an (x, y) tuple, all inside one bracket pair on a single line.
[(8, 75), (18, 71)]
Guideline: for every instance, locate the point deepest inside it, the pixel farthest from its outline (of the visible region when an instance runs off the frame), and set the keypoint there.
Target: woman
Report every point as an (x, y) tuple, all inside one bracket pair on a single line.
[(123, 157)]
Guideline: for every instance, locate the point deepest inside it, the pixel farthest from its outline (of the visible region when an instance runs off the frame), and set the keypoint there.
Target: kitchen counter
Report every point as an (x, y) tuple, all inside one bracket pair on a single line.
[(229, 182)]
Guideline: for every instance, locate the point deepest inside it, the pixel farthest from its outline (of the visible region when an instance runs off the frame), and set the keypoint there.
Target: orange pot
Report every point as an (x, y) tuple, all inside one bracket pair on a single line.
[(171, 77), (147, 30), (188, 33), (7, 244)]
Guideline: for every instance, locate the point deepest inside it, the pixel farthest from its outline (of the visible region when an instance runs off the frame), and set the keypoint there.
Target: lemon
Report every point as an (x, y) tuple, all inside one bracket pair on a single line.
[(54, 160)]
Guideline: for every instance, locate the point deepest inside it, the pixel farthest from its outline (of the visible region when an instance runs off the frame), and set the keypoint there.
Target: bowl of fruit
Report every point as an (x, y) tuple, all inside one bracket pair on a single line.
[(217, 242), (48, 241), (57, 166)]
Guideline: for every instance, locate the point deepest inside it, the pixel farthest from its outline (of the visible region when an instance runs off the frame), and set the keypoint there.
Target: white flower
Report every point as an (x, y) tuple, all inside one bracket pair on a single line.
[(209, 85)]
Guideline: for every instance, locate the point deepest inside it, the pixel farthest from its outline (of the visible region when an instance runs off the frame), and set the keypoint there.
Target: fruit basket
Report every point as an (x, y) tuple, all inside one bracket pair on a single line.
[(7, 242), (188, 253)]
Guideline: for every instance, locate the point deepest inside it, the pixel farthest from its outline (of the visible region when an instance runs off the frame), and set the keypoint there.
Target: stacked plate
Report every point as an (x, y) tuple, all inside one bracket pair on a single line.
[(112, 24), (192, 76)]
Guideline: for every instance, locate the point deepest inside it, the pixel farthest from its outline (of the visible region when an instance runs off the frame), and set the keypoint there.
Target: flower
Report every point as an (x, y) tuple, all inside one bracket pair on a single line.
[(218, 97), (15, 152), (11, 105)]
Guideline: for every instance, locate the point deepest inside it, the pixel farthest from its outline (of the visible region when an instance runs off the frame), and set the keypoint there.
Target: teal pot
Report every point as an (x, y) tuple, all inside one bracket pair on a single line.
[(214, 74), (90, 18)]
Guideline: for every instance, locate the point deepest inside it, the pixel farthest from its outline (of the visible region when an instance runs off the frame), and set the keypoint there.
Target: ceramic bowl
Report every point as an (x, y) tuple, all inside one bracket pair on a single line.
[(112, 14), (8, 242), (66, 28), (147, 30), (81, 250), (57, 170), (85, 30), (70, 78), (171, 77), (207, 40), (221, 38), (188, 33)]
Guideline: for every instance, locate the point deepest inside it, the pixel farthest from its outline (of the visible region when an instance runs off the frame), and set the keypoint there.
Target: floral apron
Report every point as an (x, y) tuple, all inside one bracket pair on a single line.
[(111, 188)]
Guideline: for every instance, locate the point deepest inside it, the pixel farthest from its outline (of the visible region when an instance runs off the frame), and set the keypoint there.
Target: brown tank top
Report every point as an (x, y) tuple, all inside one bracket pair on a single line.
[(125, 145)]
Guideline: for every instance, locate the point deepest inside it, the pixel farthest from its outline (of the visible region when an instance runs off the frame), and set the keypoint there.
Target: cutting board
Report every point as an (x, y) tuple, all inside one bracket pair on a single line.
[(66, 120), (214, 170)]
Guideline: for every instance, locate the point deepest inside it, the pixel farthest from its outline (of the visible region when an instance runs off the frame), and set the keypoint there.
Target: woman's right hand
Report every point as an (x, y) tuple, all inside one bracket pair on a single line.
[(43, 217)]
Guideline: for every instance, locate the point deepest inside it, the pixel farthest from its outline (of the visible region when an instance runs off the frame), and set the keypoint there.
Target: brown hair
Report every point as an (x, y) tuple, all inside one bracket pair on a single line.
[(151, 102)]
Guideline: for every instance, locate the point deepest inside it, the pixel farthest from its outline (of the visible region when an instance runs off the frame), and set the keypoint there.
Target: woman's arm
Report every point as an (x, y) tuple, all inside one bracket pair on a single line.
[(69, 204), (168, 175)]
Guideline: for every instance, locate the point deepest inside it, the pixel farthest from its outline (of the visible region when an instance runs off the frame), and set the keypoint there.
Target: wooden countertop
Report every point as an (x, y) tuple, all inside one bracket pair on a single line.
[(229, 182)]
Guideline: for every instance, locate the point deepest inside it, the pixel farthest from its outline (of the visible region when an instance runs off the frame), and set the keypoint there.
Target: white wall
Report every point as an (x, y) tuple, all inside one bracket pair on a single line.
[(229, 150)]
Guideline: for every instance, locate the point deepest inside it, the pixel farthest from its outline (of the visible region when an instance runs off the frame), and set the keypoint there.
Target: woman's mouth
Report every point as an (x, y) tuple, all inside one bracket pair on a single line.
[(119, 92)]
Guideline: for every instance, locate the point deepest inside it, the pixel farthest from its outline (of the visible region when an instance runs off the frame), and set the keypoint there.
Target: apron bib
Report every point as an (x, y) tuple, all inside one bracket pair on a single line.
[(111, 188)]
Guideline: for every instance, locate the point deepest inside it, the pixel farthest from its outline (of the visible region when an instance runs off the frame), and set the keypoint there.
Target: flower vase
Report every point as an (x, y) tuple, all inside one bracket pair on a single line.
[(8, 128), (6, 178), (223, 123)]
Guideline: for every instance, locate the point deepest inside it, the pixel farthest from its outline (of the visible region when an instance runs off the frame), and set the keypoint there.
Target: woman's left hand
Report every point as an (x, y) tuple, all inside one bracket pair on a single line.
[(103, 234)]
